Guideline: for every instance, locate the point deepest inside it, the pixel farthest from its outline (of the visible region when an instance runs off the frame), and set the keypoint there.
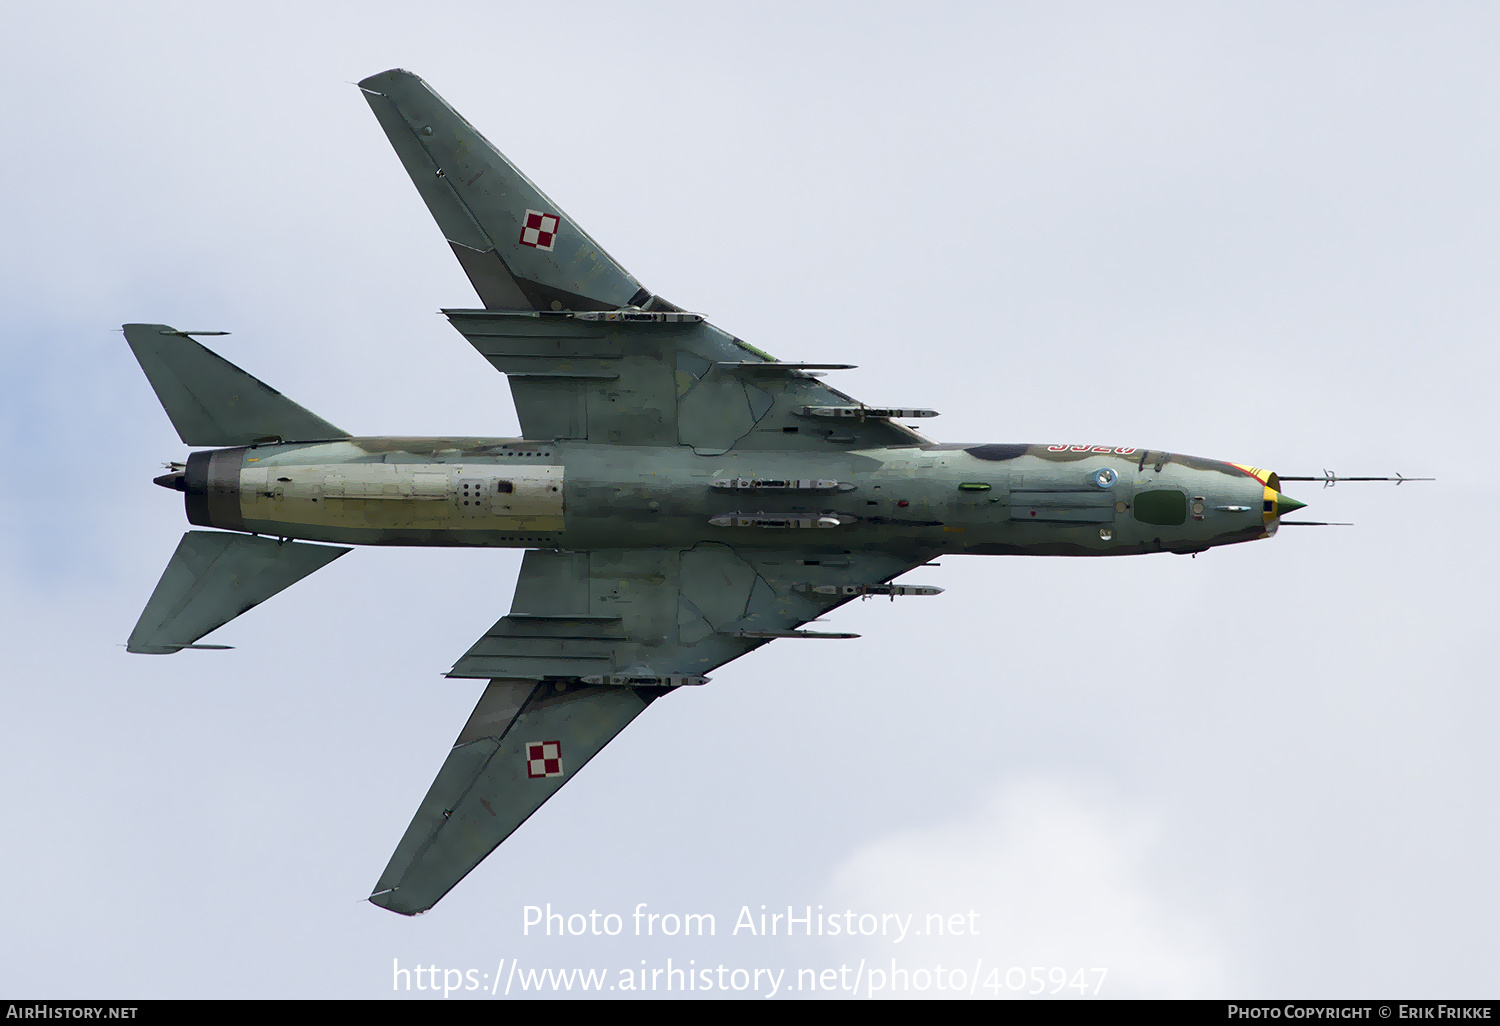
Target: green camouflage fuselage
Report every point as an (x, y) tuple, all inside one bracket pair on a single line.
[(697, 498), (983, 499)]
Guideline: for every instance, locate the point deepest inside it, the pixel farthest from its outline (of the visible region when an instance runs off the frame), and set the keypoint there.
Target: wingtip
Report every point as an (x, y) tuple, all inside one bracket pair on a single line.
[(372, 83), (386, 893)]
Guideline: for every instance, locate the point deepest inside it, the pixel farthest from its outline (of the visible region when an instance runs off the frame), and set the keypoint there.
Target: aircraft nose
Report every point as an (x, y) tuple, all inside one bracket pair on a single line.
[(1282, 504)]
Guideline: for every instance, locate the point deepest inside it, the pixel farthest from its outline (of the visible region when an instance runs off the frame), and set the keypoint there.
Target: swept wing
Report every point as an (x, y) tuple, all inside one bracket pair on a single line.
[(591, 640), (591, 353)]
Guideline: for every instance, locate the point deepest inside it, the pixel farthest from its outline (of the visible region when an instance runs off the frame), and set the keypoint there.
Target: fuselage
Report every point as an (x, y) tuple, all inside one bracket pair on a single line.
[(1082, 500)]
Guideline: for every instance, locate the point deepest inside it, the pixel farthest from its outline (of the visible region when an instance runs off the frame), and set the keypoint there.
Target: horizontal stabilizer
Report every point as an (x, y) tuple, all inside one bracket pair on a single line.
[(524, 741), (214, 577), (213, 402)]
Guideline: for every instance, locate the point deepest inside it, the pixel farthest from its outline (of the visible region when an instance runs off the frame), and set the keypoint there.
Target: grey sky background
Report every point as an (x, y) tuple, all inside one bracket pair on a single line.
[(1262, 233)]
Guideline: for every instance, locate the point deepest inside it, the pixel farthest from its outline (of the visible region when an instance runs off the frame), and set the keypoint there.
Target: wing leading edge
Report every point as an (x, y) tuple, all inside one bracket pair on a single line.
[(524, 741), (591, 353), (518, 247), (591, 640), (594, 637)]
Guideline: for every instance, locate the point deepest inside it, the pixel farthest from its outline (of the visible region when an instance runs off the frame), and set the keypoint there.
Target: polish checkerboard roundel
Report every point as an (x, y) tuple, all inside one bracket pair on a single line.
[(539, 230), (543, 759)]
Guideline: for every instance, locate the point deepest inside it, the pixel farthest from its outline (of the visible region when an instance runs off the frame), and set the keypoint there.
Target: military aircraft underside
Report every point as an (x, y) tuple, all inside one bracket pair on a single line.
[(683, 497)]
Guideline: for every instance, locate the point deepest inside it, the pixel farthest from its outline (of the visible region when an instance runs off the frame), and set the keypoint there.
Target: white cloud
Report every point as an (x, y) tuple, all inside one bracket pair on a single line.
[(1060, 877)]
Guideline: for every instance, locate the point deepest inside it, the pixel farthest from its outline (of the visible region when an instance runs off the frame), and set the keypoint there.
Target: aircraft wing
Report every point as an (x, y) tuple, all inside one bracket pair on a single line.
[(590, 352), (591, 640)]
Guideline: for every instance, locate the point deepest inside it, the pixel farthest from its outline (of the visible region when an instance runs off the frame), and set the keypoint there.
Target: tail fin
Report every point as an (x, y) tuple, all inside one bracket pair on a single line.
[(213, 578), (213, 402), (516, 245)]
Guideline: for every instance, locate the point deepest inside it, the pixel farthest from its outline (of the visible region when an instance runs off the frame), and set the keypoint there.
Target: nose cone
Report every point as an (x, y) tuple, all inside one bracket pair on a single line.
[(1286, 504)]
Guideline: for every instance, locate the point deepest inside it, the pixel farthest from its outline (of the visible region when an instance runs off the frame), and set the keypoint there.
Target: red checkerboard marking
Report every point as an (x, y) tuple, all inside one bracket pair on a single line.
[(543, 759), (539, 230)]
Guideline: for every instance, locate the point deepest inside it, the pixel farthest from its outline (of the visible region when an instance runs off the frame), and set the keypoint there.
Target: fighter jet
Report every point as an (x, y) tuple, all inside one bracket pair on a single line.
[(683, 497)]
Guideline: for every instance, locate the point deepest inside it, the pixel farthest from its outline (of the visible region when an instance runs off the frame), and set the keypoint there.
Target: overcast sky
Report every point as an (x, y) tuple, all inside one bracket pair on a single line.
[(1264, 233)]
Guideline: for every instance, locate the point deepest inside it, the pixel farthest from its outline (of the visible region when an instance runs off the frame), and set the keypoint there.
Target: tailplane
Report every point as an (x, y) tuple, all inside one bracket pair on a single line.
[(213, 402), (213, 578)]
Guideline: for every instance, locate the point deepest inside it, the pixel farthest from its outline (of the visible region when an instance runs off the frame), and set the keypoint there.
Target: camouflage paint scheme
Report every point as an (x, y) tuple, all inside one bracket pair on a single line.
[(909, 501), (683, 496)]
